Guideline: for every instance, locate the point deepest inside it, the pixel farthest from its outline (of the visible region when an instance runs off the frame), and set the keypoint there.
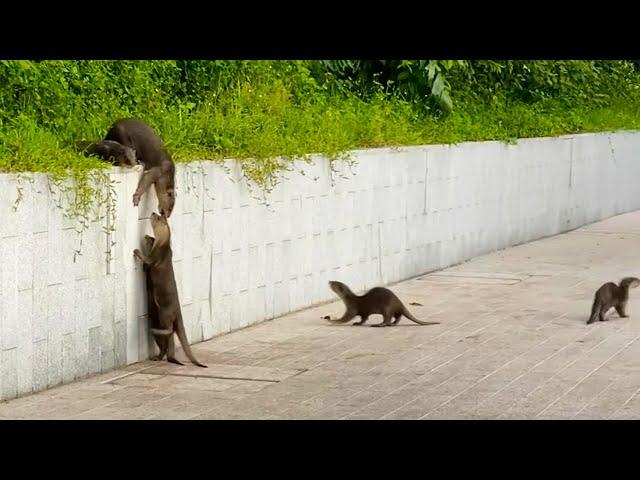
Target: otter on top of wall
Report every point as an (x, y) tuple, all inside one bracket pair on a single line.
[(111, 151), (159, 168)]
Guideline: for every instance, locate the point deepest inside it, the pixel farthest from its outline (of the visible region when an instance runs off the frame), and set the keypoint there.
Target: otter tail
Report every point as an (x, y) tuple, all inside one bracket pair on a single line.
[(408, 314), (595, 311), (182, 335)]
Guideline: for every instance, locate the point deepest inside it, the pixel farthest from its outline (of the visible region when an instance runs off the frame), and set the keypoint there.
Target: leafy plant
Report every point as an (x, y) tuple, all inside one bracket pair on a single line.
[(265, 113)]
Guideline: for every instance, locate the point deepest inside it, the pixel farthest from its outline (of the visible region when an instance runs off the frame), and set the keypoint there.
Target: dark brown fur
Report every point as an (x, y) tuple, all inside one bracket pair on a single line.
[(159, 168), (611, 295), (166, 316), (152, 308), (378, 300), (111, 151)]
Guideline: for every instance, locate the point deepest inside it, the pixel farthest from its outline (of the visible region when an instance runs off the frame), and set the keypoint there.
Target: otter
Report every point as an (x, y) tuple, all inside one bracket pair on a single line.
[(166, 316), (152, 310), (378, 300), (159, 168), (611, 295), (111, 151)]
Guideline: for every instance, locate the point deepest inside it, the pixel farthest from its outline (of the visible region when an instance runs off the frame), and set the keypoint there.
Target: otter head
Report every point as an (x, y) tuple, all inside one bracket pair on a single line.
[(631, 282), (166, 201), (340, 289), (160, 229)]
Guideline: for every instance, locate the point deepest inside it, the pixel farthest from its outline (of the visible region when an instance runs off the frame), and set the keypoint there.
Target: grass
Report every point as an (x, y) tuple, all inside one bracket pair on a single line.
[(254, 128), (262, 114)]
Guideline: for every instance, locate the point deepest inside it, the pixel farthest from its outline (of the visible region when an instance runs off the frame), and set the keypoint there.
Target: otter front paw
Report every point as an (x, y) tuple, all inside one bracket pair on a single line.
[(136, 199)]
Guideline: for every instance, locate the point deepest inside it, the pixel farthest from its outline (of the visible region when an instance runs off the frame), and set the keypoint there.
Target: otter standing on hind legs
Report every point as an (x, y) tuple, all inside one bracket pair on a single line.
[(166, 316), (611, 295), (159, 169), (378, 300), (152, 310)]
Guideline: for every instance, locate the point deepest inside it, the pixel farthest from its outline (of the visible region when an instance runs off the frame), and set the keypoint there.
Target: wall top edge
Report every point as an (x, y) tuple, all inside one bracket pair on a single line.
[(381, 150)]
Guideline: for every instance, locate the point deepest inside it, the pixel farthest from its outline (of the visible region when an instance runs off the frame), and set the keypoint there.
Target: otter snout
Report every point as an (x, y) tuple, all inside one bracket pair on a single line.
[(166, 212), (166, 202)]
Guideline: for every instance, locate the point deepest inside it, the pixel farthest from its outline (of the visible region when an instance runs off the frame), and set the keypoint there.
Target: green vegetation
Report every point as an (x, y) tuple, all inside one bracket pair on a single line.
[(264, 113), (260, 111)]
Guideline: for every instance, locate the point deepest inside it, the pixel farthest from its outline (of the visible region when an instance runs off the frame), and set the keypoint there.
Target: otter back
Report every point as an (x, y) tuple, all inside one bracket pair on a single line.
[(159, 168), (139, 136)]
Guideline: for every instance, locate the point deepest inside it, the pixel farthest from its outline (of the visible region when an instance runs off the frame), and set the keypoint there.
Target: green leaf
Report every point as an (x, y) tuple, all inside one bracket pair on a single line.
[(438, 86), (444, 101), (432, 69)]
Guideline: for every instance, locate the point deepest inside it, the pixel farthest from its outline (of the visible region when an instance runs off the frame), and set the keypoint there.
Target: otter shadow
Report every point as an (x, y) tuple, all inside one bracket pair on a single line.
[(582, 318)]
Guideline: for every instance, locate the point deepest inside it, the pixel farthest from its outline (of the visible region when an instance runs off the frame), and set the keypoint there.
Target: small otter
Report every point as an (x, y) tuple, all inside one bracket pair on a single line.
[(111, 151), (378, 300), (611, 295), (159, 168), (166, 316)]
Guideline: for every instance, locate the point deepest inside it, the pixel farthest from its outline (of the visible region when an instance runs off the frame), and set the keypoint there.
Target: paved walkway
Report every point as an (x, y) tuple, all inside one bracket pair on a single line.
[(512, 343)]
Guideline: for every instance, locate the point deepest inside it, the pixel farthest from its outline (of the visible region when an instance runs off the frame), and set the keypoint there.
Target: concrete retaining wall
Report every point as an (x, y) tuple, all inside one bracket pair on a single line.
[(238, 262)]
